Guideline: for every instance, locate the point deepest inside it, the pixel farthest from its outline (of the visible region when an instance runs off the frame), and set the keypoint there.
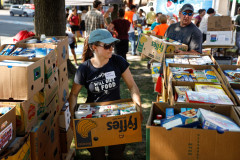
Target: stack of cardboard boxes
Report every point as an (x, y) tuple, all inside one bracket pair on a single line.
[(220, 31), (39, 91), (192, 143)]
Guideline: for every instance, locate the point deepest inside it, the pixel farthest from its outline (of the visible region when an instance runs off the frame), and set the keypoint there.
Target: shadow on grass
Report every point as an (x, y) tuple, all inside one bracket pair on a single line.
[(142, 77)]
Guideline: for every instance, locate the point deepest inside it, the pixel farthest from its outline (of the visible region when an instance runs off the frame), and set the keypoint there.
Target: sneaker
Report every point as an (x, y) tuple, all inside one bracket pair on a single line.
[(76, 65)]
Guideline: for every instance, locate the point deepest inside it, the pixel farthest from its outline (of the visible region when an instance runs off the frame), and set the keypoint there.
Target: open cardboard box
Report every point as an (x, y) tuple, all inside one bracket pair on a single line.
[(155, 48), (27, 112), (107, 131), (171, 92), (194, 67), (21, 82), (189, 143), (50, 60), (165, 67), (61, 47), (8, 127), (221, 70)]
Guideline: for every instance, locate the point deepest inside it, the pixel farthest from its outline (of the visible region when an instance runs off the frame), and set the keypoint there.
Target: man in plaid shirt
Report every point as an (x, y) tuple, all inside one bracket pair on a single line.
[(94, 18)]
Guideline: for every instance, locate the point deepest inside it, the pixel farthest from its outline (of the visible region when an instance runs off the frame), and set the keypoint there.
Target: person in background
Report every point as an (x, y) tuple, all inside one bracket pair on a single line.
[(160, 30), (74, 20), (151, 17), (199, 17), (72, 44), (132, 18), (67, 23), (107, 15), (141, 21), (204, 22), (237, 22), (67, 13), (126, 8), (121, 26), (82, 24), (171, 19), (93, 74), (157, 22), (186, 32), (94, 18)]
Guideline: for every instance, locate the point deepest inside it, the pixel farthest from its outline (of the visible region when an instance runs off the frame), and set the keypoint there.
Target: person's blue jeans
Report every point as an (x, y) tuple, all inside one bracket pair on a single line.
[(139, 33), (132, 41)]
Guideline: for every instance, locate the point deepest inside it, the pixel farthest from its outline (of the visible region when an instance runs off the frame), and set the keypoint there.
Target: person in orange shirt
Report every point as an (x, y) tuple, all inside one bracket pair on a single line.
[(160, 30)]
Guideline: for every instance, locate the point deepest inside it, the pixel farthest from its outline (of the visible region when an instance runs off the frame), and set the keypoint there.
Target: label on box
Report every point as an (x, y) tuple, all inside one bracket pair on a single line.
[(6, 136)]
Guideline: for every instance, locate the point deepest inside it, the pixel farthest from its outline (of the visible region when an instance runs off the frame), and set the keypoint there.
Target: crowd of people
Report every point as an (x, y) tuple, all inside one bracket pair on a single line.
[(104, 36)]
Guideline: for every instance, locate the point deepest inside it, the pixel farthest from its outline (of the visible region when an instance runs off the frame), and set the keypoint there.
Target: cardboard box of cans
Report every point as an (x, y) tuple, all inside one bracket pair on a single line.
[(106, 131), (156, 48), (61, 47), (195, 143)]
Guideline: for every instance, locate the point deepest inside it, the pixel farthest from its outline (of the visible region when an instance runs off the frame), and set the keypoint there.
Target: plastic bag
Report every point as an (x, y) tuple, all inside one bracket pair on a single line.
[(22, 35)]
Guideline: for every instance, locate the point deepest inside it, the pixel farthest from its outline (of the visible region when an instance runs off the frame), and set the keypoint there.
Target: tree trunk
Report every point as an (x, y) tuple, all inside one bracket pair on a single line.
[(50, 17)]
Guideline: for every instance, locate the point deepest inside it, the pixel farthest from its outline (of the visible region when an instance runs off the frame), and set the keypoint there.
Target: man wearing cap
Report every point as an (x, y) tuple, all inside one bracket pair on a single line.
[(185, 31), (94, 18)]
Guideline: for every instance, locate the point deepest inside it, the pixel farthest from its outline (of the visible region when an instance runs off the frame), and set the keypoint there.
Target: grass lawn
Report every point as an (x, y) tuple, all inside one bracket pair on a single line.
[(142, 77)]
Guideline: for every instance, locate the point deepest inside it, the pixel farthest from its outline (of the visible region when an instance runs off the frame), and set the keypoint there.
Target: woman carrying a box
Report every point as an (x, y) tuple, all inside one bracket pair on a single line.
[(100, 74)]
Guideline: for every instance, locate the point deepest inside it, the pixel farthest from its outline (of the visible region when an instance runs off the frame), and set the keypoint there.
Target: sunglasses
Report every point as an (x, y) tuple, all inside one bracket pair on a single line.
[(107, 46), (189, 14)]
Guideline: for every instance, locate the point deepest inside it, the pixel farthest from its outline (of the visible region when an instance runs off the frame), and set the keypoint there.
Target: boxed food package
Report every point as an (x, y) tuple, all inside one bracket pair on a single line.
[(21, 77), (215, 121), (201, 97), (196, 143), (187, 119), (209, 88), (8, 125), (19, 149), (107, 130)]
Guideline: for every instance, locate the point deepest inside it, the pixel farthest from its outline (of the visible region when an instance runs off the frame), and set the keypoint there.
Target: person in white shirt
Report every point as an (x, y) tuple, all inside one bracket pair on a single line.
[(82, 24), (204, 22), (73, 44)]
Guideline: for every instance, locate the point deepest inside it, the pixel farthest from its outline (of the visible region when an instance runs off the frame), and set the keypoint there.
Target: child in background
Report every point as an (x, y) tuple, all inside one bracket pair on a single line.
[(72, 43), (157, 22), (160, 30)]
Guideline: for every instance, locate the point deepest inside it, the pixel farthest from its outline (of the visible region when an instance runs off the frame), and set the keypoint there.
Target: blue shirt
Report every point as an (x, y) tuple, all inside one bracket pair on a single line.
[(154, 25)]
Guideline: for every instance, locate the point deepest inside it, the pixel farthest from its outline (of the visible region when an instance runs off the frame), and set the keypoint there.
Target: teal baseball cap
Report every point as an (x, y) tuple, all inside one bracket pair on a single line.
[(101, 35)]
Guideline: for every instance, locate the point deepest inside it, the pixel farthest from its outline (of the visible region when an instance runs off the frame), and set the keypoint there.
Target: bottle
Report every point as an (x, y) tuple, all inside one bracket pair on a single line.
[(43, 37)]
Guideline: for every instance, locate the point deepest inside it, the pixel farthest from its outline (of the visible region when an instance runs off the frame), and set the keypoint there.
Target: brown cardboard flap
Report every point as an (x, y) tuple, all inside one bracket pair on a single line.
[(198, 144), (219, 23)]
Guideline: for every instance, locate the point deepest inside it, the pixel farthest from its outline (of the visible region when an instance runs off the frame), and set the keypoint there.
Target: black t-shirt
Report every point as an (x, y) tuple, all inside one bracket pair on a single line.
[(189, 35), (102, 84)]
